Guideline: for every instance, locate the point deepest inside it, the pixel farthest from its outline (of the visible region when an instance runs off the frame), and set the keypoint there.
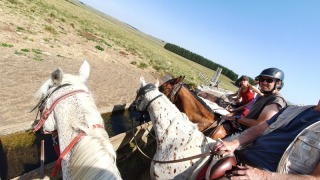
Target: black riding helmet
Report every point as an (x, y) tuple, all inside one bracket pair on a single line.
[(274, 73)]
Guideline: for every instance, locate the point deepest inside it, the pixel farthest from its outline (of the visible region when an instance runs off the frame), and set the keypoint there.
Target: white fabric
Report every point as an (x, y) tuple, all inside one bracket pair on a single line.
[(215, 107)]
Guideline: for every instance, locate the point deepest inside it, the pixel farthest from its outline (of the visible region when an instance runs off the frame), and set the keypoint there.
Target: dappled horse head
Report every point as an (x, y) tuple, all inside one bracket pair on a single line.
[(195, 108), (67, 107), (183, 152), (176, 136)]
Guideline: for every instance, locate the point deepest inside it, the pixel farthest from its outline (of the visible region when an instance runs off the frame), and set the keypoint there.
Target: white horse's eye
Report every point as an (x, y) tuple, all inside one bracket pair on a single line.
[(139, 100)]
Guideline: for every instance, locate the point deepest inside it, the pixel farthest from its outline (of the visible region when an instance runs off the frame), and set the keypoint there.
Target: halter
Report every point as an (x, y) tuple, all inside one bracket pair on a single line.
[(176, 88), (48, 111), (142, 91)]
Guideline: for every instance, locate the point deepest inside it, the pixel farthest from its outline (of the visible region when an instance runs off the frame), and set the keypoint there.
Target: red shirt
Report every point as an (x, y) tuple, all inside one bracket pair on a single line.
[(246, 96)]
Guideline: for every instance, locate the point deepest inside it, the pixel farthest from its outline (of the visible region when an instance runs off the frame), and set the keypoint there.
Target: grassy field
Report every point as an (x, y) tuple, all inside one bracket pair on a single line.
[(108, 32)]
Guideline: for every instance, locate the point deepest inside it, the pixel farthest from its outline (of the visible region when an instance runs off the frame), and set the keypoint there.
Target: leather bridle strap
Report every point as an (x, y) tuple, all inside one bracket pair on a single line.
[(176, 88), (216, 128), (214, 124), (47, 112), (65, 151), (152, 101), (41, 101), (68, 148), (186, 159)]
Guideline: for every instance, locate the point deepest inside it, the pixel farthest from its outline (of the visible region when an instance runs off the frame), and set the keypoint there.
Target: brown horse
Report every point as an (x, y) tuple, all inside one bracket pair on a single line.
[(196, 110)]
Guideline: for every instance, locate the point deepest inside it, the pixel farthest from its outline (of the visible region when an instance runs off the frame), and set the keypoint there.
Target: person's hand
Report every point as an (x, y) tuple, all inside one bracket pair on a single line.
[(229, 109), (248, 173), (225, 147)]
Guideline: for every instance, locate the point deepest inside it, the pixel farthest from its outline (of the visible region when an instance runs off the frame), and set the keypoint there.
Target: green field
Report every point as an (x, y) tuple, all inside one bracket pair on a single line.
[(108, 32)]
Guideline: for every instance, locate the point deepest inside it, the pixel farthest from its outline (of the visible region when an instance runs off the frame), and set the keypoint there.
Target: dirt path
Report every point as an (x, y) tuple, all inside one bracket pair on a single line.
[(113, 79)]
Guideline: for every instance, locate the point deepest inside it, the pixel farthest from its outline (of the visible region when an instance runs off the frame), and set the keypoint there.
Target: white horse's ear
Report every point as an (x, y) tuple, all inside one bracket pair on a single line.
[(142, 81), (157, 83), (84, 71), (56, 77)]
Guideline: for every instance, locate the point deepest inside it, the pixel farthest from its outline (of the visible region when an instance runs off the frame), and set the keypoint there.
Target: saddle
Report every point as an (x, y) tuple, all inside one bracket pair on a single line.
[(218, 169)]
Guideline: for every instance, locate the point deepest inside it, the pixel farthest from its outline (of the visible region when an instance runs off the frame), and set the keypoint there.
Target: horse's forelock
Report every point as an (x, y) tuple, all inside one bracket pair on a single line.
[(42, 91), (67, 78)]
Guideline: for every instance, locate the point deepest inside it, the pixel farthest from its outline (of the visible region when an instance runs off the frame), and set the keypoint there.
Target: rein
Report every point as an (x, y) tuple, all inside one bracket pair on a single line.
[(69, 147), (187, 158)]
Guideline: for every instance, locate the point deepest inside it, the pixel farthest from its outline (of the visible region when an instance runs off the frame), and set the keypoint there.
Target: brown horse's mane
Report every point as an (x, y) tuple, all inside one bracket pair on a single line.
[(198, 98), (208, 120)]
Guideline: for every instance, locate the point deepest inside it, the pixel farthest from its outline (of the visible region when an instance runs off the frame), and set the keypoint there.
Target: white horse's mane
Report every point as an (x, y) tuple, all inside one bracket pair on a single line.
[(91, 156)]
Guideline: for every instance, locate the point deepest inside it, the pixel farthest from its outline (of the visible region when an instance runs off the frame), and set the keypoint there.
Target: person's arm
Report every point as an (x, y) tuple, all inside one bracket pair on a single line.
[(239, 108), (267, 112), (235, 109), (256, 90), (231, 96), (245, 137), (250, 173)]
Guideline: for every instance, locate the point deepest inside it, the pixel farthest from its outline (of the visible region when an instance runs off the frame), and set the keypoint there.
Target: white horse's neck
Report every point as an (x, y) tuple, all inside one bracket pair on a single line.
[(177, 138), (162, 112)]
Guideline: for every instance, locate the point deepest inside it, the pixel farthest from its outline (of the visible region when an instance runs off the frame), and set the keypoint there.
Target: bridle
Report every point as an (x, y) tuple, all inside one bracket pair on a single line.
[(44, 114), (175, 89), (141, 92)]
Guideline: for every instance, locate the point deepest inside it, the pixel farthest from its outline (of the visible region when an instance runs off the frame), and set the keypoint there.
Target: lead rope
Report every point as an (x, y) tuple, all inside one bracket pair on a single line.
[(42, 160), (211, 152)]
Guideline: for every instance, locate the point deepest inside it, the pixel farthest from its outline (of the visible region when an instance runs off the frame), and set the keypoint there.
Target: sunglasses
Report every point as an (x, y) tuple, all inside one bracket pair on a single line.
[(266, 80)]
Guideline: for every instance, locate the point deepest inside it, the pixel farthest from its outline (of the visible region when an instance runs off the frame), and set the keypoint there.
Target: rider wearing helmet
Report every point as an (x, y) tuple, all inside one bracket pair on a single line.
[(270, 83), (275, 74)]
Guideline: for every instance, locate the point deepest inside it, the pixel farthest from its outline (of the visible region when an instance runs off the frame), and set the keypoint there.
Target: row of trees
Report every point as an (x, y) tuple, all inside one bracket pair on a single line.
[(201, 60)]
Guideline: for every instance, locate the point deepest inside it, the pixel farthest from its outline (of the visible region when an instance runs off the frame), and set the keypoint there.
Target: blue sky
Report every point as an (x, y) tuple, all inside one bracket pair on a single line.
[(246, 36)]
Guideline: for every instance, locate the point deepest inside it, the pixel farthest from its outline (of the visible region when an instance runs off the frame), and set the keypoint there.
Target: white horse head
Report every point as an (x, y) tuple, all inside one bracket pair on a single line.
[(68, 107), (177, 138)]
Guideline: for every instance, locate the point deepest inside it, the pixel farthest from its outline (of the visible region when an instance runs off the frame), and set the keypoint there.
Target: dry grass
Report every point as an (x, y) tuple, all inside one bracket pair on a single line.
[(37, 36)]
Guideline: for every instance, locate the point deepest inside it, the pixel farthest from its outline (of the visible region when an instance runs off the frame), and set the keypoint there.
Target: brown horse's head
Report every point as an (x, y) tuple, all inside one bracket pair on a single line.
[(167, 87)]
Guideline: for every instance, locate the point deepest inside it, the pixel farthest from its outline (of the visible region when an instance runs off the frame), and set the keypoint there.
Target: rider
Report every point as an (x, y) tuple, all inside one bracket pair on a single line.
[(288, 143), (247, 93), (270, 82)]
